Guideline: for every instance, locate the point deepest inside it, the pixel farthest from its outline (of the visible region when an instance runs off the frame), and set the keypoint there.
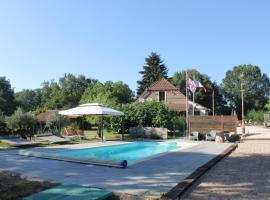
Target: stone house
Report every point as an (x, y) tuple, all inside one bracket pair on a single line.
[(164, 91)]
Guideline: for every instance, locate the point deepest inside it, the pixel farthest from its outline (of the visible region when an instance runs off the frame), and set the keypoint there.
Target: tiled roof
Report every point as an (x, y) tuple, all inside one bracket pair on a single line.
[(162, 85), (43, 117)]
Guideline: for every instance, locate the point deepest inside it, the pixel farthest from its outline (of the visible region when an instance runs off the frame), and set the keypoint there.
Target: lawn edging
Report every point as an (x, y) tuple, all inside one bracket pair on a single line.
[(178, 191)]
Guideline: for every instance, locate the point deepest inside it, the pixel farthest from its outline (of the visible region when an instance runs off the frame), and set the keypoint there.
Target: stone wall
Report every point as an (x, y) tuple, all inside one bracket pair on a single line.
[(146, 132)]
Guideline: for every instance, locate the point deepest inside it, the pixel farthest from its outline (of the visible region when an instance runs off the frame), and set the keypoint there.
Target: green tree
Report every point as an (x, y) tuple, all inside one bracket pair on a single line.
[(28, 100), (153, 70), (21, 122), (66, 93), (109, 93), (3, 124), (7, 99), (256, 88), (201, 97), (255, 116), (267, 106)]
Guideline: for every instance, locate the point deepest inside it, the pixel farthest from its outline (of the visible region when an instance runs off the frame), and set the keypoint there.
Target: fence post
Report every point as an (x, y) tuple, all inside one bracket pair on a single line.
[(222, 123)]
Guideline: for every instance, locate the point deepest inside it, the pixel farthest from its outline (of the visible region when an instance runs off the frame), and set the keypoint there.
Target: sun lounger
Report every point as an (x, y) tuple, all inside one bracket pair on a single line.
[(18, 142), (211, 136), (194, 135), (69, 133), (53, 139)]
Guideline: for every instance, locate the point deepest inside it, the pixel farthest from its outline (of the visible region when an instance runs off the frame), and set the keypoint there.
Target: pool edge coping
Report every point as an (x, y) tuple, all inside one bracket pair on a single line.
[(179, 190)]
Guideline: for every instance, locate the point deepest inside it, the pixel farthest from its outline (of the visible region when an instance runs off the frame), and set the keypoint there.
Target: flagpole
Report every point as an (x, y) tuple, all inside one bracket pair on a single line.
[(193, 111), (213, 102), (187, 128)]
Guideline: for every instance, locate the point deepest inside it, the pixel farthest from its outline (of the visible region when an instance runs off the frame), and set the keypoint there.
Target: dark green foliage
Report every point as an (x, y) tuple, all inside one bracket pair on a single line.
[(66, 93), (7, 99), (147, 114), (109, 94), (154, 136), (153, 70), (28, 100), (21, 122), (3, 125), (201, 97), (255, 116), (178, 125), (256, 88), (267, 106)]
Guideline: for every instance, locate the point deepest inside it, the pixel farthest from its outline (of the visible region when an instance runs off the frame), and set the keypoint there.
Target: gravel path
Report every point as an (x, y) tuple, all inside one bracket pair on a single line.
[(245, 174)]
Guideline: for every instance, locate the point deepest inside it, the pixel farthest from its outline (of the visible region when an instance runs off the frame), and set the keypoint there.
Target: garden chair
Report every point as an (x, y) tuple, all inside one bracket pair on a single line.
[(211, 136), (70, 134), (194, 135)]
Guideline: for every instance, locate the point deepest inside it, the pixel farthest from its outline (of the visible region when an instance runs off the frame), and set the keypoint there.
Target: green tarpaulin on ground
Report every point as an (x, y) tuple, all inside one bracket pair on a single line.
[(70, 192)]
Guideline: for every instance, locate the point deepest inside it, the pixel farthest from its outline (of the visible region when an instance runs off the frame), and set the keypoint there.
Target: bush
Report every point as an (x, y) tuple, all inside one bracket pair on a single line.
[(178, 125), (54, 120), (147, 114), (21, 122), (155, 136), (255, 116), (3, 125)]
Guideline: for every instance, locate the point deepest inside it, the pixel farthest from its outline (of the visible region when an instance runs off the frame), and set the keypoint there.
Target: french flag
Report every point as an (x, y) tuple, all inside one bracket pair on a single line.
[(198, 84)]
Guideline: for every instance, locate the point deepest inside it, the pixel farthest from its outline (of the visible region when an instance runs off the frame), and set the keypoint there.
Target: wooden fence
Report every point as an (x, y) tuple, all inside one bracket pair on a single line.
[(204, 124)]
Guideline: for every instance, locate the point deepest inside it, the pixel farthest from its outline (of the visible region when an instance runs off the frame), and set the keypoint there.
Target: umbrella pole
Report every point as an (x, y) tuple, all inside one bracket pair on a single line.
[(59, 132), (101, 129)]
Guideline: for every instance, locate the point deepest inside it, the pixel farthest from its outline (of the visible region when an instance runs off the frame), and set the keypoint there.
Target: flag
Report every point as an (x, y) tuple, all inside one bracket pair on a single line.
[(198, 84), (191, 85)]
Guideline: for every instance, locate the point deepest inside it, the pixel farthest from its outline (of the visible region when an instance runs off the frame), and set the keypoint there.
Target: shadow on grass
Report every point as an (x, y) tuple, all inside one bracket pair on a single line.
[(14, 187)]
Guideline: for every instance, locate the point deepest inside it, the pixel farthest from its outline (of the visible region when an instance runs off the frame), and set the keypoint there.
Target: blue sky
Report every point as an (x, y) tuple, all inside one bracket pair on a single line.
[(109, 39)]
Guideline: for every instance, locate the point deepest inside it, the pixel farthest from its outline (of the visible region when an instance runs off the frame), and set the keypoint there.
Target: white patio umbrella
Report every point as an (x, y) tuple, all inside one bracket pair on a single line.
[(92, 109)]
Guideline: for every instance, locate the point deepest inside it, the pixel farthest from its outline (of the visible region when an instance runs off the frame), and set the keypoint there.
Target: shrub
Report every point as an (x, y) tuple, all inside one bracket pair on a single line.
[(54, 120), (154, 136), (147, 114), (21, 122), (3, 125), (178, 125), (255, 116)]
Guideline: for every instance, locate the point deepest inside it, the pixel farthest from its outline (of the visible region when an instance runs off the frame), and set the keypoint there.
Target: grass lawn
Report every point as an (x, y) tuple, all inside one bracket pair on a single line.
[(13, 186), (4, 146), (91, 136)]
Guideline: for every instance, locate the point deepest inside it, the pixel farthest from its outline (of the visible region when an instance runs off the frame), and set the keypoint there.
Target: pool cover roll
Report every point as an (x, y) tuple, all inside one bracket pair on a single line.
[(109, 163)]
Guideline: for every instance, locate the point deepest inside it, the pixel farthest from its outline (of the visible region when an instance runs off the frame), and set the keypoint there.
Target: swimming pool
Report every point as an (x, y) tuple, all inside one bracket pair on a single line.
[(130, 152), (116, 155)]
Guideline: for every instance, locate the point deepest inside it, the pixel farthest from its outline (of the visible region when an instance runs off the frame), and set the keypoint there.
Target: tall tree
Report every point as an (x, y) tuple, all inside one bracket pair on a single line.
[(267, 106), (153, 70), (7, 98), (109, 93), (66, 93), (256, 88), (28, 100), (201, 97)]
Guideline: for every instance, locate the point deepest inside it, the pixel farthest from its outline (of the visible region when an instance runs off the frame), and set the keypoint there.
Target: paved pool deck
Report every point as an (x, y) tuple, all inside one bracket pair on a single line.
[(152, 177)]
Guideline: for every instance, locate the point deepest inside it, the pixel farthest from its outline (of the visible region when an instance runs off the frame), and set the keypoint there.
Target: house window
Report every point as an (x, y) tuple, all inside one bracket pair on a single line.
[(161, 96)]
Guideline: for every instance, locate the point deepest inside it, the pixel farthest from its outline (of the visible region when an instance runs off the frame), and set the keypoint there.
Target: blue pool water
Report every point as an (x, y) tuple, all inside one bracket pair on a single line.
[(130, 152)]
